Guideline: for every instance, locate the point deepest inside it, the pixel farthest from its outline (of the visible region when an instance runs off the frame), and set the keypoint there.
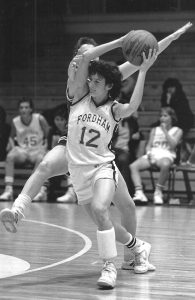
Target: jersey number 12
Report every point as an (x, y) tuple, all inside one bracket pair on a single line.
[(89, 143)]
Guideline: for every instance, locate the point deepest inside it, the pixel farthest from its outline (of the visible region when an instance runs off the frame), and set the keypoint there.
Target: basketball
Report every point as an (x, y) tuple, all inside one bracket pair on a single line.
[(135, 43)]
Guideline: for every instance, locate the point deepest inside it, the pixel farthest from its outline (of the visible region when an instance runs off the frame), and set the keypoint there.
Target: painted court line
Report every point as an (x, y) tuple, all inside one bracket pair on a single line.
[(86, 247)]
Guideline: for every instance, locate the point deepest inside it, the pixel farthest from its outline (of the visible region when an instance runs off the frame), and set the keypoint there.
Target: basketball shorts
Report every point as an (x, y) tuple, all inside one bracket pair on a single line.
[(29, 154), (84, 177), (157, 154)]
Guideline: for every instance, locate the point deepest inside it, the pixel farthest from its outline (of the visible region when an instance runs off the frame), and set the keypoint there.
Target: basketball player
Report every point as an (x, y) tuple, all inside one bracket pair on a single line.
[(57, 164), (160, 152), (30, 132)]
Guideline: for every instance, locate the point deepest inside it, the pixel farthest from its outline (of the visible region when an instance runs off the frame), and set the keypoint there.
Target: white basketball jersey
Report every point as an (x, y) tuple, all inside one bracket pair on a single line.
[(29, 136), (90, 131), (160, 140)]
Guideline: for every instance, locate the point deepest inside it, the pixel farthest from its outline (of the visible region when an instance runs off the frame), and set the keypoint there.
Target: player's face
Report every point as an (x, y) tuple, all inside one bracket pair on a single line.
[(25, 109), (98, 87), (165, 118), (60, 123)]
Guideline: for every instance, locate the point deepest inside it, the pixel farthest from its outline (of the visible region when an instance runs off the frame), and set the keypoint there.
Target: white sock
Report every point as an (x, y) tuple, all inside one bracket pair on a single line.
[(21, 204), (107, 244)]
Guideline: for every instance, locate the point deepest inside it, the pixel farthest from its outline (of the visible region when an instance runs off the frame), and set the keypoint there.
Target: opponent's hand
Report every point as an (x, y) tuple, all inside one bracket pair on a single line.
[(181, 30), (148, 61), (73, 66)]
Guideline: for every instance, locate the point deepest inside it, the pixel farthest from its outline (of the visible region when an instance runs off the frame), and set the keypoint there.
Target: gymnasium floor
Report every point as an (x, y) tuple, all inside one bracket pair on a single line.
[(56, 244)]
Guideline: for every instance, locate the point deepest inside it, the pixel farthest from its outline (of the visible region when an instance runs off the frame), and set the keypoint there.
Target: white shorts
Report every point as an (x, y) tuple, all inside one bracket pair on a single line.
[(30, 155), (84, 177), (158, 153)]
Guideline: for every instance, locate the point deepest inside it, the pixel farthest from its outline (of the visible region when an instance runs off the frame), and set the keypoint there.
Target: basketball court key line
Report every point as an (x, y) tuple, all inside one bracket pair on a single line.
[(87, 246)]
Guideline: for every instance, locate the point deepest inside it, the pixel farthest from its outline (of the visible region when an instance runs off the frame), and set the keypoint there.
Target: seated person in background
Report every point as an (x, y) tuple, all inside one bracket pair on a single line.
[(59, 129), (5, 130), (160, 152), (190, 163), (174, 96), (30, 131)]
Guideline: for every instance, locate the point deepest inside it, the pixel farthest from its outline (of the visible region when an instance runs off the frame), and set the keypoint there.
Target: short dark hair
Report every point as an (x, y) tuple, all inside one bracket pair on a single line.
[(82, 41), (28, 100), (110, 72)]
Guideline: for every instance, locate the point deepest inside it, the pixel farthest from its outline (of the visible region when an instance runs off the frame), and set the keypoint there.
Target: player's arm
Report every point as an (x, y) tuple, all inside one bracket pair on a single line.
[(125, 110), (127, 69), (163, 44), (173, 140)]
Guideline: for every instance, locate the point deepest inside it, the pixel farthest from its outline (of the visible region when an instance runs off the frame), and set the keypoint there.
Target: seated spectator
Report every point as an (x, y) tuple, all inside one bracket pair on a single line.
[(174, 96), (57, 130), (5, 130), (28, 145), (160, 152)]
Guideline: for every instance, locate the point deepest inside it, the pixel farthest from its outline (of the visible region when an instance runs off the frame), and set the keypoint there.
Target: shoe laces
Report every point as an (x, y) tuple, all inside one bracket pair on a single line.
[(108, 267), (140, 257)]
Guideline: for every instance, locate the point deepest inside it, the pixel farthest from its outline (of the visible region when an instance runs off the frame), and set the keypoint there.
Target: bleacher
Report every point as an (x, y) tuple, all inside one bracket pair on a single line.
[(45, 83)]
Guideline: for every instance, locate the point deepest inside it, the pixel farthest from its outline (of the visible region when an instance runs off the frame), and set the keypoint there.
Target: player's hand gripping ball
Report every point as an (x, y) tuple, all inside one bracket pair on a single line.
[(135, 43)]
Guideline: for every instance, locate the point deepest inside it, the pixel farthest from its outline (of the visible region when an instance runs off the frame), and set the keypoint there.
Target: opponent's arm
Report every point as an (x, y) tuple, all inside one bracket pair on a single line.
[(163, 44), (127, 69), (78, 68)]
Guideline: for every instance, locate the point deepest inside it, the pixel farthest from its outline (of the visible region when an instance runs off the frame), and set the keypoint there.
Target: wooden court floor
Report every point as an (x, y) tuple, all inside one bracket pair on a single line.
[(59, 243)]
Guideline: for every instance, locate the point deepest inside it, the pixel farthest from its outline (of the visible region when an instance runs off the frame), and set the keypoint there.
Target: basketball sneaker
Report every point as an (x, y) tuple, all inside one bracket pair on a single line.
[(142, 253), (7, 195), (158, 197), (108, 276), (10, 219), (140, 197), (68, 197), (130, 265), (129, 262)]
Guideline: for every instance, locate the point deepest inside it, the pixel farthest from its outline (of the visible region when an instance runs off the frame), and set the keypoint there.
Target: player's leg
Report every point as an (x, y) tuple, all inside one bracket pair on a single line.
[(135, 250), (103, 194), (16, 155), (53, 164)]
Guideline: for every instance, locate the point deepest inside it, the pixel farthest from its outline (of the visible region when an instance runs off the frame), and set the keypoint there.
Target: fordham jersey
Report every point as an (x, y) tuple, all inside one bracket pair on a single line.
[(90, 132), (160, 141), (29, 136)]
